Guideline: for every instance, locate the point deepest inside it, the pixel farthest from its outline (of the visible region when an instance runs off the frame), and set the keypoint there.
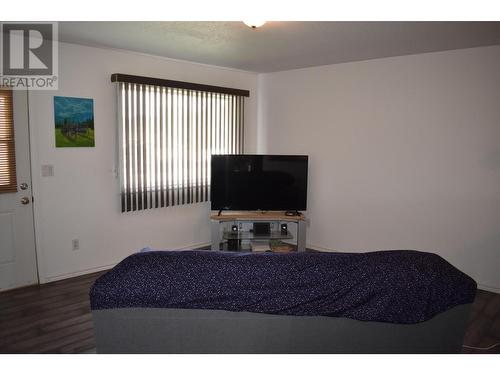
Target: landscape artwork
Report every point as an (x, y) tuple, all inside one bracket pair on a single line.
[(74, 121)]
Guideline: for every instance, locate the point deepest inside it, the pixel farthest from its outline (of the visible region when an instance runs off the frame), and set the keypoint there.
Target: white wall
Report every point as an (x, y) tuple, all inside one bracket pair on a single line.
[(81, 200), (404, 153)]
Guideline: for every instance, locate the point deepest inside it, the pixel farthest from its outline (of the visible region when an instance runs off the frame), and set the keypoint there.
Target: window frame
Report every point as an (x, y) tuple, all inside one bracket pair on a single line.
[(8, 170)]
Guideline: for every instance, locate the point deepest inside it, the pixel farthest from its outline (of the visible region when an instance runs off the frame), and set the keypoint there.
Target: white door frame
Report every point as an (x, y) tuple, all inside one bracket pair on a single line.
[(35, 191)]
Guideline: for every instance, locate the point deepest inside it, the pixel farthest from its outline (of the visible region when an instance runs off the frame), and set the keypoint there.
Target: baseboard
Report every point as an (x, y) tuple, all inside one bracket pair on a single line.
[(196, 246), (320, 248), (488, 288), (77, 273), (17, 287), (108, 266)]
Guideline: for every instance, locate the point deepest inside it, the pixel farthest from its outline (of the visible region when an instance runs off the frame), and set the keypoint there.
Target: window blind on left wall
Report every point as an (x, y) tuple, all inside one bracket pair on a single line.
[(166, 138), (8, 183)]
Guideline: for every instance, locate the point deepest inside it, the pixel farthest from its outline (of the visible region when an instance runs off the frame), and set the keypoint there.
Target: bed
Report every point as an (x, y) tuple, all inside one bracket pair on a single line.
[(399, 301)]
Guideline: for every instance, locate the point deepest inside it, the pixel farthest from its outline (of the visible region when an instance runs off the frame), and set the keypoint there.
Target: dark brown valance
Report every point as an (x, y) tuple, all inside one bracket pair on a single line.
[(127, 78)]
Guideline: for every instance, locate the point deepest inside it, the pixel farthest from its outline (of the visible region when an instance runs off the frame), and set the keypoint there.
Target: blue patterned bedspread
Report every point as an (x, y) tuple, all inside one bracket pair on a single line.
[(397, 286)]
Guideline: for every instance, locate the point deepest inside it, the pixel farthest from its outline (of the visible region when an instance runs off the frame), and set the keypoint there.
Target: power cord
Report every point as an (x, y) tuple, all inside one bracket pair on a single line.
[(477, 348)]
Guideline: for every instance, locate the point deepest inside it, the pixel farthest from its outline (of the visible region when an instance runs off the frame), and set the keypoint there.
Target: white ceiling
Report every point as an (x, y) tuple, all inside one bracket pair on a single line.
[(280, 45)]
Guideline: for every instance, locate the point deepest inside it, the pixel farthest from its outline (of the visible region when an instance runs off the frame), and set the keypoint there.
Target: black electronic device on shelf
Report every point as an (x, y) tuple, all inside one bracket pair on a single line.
[(261, 229)]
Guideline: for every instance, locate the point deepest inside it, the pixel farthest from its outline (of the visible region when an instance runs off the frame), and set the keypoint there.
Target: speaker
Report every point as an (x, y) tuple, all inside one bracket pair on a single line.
[(284, 228), (261, 229)]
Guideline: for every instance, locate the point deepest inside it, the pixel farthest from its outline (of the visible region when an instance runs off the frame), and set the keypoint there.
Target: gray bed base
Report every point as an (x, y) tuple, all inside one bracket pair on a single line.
[(156, 330)]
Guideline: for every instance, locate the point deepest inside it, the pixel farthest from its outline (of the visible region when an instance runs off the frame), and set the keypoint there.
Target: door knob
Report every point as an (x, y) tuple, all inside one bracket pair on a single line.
[(23, 186), (25, 200)]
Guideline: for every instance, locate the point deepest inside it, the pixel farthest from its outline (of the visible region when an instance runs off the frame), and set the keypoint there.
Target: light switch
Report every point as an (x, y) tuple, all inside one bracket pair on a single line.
[(47, 170)]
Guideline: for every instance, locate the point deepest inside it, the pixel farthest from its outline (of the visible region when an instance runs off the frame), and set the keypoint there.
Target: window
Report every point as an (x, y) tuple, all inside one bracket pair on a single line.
[(166, 137), (8, 183)]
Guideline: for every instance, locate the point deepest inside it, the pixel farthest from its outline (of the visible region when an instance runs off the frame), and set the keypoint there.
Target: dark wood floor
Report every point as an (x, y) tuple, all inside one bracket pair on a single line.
[(484, 323), (49, 318), (55, 318)]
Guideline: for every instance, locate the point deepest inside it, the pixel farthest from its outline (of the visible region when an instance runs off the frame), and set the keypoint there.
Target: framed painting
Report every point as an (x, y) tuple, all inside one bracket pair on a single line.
[(74, 121)]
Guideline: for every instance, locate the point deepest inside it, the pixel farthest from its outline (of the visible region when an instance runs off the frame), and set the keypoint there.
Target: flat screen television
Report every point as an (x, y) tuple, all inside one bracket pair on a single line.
[(259, 182)]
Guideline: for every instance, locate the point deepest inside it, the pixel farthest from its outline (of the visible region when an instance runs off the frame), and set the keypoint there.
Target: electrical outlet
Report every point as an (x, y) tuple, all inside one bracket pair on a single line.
[(75, 244)]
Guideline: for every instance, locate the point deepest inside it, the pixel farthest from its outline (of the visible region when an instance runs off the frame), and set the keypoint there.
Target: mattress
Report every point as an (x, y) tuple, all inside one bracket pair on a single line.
[(398, 286), (157, 330)]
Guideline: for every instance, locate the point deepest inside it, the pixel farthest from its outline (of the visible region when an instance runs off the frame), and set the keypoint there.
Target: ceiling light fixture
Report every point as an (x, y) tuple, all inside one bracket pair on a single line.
[(254, 23)]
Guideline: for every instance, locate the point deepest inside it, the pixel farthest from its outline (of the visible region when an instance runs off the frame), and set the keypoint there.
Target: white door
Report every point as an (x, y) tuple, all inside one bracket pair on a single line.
[(17, 240)]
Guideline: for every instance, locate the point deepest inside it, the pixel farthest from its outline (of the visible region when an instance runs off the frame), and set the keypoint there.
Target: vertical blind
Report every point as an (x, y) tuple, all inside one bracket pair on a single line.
[(166, 138), (8, 181)]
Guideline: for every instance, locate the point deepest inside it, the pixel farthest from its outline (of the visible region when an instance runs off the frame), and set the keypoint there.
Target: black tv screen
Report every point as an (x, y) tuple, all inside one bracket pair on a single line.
[(259, 182)]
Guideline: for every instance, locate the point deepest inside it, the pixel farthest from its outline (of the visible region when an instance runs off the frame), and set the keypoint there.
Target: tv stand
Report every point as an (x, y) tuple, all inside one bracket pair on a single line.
[(242, 218)]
